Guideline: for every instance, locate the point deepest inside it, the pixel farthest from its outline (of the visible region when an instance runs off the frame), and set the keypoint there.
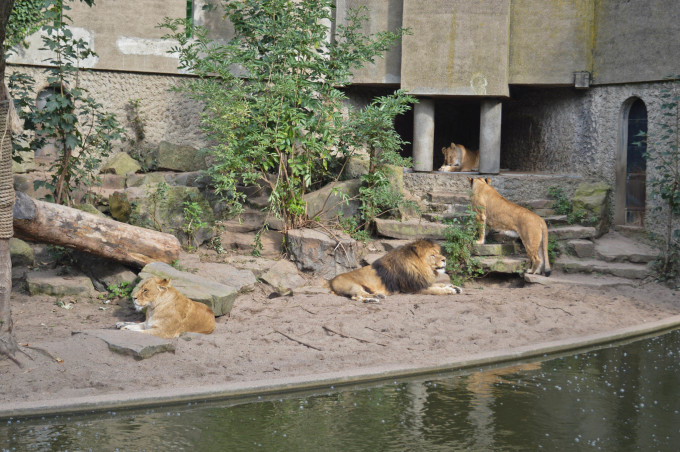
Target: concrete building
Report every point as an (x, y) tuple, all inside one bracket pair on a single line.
[(546, 87)]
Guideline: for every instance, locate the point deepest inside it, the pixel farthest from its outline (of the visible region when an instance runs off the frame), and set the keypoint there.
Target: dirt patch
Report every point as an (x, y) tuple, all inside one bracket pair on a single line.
[(304, 334)]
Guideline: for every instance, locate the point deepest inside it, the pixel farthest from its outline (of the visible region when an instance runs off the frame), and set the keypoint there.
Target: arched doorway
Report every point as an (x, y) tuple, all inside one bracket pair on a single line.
[(631, 174)]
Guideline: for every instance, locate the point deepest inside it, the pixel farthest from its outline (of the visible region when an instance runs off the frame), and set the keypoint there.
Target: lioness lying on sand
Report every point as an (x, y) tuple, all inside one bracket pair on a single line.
[(500, 214), (168, 312)]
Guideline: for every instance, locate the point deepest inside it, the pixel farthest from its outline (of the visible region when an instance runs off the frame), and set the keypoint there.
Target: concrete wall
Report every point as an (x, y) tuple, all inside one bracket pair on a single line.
[(458, 47), (383, 15), (122, 32), (167, 115), (550, 40), (636, 40)]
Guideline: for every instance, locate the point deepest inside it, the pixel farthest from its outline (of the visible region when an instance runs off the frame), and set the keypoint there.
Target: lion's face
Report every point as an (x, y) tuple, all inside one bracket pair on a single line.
[(148, 292), (431, 255), (453, 156)]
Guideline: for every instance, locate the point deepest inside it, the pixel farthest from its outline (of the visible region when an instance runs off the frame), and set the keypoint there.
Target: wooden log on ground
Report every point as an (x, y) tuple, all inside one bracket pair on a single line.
[(46, 222)]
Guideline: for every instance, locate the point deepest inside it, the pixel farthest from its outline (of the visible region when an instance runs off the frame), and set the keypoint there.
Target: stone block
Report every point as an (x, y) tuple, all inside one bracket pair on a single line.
[(179, 158), (448, 197), (572, 232), (581, 248), (133, 343), (322, 254), (503, 265), (121, 164), (497, 249), (328, 202), (21, 253), (411, 229), (50, 282)]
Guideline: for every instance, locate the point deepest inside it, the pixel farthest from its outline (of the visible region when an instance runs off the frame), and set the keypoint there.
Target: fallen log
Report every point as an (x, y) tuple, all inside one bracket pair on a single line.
[(46, 222)]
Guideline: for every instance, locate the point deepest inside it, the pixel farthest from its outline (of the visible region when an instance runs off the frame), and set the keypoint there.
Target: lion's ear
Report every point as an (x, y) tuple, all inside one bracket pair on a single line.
[(487, 180), (164, 282)]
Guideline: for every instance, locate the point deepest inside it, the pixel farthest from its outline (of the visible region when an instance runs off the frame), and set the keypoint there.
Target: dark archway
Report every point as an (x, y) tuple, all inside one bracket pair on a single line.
[(631, 168)]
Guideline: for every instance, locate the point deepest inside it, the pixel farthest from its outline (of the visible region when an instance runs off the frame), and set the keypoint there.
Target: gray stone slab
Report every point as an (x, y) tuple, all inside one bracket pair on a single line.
[(620, 269), (616, 247), (448, 197), (50, 282), (497, 249), (132, 343), (411, 229), (503, 264), (572, 232), (581, 248), (589, 280)]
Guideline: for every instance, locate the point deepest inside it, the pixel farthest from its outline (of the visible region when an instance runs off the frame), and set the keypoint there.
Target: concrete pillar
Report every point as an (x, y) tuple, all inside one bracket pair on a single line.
[(423, 135), (490, 137)]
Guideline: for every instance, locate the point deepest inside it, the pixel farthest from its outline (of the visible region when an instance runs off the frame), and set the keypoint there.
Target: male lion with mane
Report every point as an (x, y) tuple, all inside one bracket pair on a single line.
[(513, 220), (168, 312), (411, 268), (459, 158)]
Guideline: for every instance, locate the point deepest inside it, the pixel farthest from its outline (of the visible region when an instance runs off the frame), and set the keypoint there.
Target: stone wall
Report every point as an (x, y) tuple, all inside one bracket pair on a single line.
[(167, 115)]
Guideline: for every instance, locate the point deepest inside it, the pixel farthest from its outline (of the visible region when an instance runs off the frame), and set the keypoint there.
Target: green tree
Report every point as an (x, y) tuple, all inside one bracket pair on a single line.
[(72, 119), (273, 101), (27, 17), (373, 129)]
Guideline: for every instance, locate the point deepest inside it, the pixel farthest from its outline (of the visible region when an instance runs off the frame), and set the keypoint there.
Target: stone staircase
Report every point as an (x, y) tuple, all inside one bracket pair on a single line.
[(612, 258)]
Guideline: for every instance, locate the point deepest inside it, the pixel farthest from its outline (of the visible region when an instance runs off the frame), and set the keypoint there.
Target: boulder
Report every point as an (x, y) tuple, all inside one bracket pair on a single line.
[(411, 229), (121, 164), (120, 207), (21, 253), (283, 276), (53, 283), (328, 203), (138, 345), (355, 167), (324, 255), (165, 209), (179, 158), (27, 163), (594, 199), (218, 296)]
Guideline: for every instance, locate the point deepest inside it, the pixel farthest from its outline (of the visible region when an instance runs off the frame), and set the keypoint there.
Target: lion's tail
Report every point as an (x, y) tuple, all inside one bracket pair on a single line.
[(544, 248)]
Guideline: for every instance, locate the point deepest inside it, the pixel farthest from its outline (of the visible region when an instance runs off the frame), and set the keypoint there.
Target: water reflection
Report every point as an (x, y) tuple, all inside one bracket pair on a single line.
[(623, 398)]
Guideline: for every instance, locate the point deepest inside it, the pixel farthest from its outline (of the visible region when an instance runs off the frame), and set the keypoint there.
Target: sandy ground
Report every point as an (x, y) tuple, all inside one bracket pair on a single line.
[(266, 338)]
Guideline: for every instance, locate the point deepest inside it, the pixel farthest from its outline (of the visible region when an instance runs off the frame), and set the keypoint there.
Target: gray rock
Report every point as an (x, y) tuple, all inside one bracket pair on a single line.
[(21, 253), (50, 282), (410, 229), (572, 232), (325, 256), (271, 241), (497, 249), (179, 158), (166, 211), (119, 206), (593, 198), (219, 272), (328, 203), (132, 343), (355, 167), (89, 208), (615, 247), (283, 275), (121, 164), (104, 273), (620, 269), (218, 296), (503, 264), (581, 248)]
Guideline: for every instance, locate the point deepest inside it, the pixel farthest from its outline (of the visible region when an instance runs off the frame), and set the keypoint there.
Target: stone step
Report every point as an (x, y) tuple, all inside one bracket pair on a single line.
[(616, 247), (448, 208), (410, 229), (621, 269), (512, 264), (538, 204), (576, 279), (444, 216), (581, 248), (544, 212), (556, 220), (447, 197), (497, 249), (572, 232)]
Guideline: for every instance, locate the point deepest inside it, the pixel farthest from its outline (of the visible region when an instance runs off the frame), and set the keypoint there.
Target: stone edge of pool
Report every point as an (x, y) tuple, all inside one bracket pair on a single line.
[(325, 381)]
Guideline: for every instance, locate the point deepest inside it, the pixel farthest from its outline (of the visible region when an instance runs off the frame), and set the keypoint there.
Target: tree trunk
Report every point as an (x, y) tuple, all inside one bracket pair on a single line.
[(60, 225)]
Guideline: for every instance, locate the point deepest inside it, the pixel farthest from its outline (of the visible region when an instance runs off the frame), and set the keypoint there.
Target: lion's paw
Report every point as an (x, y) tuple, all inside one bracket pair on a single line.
[(453, 290), (120, 325)]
